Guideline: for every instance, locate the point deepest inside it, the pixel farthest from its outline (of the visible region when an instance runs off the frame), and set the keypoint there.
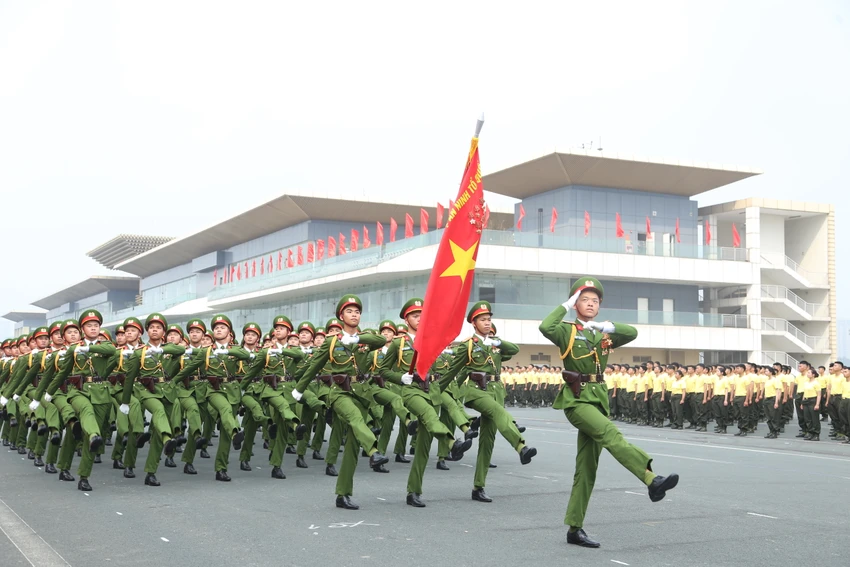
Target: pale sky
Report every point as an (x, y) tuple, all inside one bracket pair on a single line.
[(164, 117)]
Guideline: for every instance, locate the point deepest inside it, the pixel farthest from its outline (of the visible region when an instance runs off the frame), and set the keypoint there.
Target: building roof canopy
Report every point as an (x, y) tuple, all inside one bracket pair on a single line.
[(88, 288)]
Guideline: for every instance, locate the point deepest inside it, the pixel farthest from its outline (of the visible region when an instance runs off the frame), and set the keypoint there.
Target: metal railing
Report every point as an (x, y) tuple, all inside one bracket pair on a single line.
[(771, 324), (770, 358), (780, 292), (781, 261)]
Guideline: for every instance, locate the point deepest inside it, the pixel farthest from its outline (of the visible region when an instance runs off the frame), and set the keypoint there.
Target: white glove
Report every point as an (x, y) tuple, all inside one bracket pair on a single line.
[(571, 302), (604, 326), (407, 379), (82, 349), (3, 401), (35, 351), (124, 408), (189, 351), (34, 405), (297, 395), (127, 352), (350, 340), (492, 342), (221, 351), (16, 397), (155, 350), (47, 397), (275, 351)]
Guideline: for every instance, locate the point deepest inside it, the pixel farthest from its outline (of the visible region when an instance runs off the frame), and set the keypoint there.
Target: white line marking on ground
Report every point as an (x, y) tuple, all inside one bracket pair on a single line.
[(382, 499), (694, 459), (465, 465), (635, 493), (31, 545), (728, 448), (163, 539), (542, 477), (618, 562), (762, 515), (119, 513)]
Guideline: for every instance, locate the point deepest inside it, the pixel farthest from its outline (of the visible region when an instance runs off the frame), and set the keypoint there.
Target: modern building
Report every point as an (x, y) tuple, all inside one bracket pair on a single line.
[(26, 320), (747, 280)]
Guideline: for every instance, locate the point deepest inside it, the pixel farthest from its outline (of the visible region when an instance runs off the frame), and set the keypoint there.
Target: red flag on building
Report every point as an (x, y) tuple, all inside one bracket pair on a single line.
[(423, 221), (342, 249), (648, 227), (262, 265), (379, 234), (311, 252), (253, 268), (366, 242), (289, 260), (439, 216), (736, 237), (280, 260), (707, 232), (620, 232), (320, 249), (300, 257), (521, 216), (678, 235), (408, 226), (239, 272), (450, 282), (226, 276), (331, 246), (393, 228), (246, 269), (586, 223), (554, 220), (271, 264), (355, 236), (215, 277)]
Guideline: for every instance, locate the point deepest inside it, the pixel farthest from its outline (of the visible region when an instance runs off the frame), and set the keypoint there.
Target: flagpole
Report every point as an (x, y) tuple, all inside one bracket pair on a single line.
[(479, 124)]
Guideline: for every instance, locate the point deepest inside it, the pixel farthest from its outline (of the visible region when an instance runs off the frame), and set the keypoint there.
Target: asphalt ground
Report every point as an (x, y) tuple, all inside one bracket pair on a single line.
[(741, 501)]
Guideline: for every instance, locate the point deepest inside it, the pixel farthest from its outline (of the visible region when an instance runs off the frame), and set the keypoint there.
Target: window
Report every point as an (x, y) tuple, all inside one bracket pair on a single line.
[(667, 307), (487, 294), (640, 359), (643, 310), (540, 357)]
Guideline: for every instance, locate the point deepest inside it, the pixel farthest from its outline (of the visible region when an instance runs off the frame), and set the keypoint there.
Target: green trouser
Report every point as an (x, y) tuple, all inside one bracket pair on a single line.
[(844, 415), (774, 415), (52, 454), (189, 408), (338, 434), (425, 412), (452, 415), (444, 445), (220, 406), (308, 417), (351, 412), (678, 410), (420, 461), (788, 410), (251, 421), (742, 412), (400, 447), (596, 432), (657, 407), (493, 417), (203, 417), (66, 452), (98, 411), (811, 416), (135, 426), (801, 418), (312, 410), (321, 427), (390, 400)]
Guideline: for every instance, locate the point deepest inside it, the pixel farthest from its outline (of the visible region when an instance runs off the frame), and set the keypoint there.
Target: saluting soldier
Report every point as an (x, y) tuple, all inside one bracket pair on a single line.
[(192, 402), (584, 346)]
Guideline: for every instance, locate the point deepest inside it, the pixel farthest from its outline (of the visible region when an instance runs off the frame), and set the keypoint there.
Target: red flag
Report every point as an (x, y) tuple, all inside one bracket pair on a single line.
[(521, 216), (648, 226), (289, 260), (393, 228), (678, 235), (280, 260), (254, 269), (450, 282), (451, 208), (331, 247), (271, 264), (366, 242), (320, 249), (620, 232), (355, 236), (341, 244), (486, 215), (439, 216), (262, 265), (300, 257), (311, 253), (408, 226), (554, 220), (423, 221), (707, 232), (379, 234), (586, 223), (239, 272), (215, 277), (736, 237)]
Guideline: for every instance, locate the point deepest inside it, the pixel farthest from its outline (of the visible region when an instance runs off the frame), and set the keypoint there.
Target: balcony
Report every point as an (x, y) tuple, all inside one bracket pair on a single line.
[(790, 274), (769, 358), (791, 305), (791, 338)]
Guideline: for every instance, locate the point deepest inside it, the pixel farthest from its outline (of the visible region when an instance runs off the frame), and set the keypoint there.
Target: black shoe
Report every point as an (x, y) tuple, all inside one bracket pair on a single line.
[(578, 537), (42, 430), (492, 466), (204, 454), (377, 459), (691, 426), (97, 460), (128, 473), (476, 423), (169, 462), (238, 437), (272, 430), (376, 431), (170, 446), (300, 462), (84, 484), (266, 445), (277, 473), (290, 450), (142, 439), (317, 456), (741, 433), (411, 430), (150, 480), (222, 476), (346, 503), (470, 434), (801, 434), (245, 466), (527, 454), (399, 458), (521, 429), (412, 450), (415, 500), (22, 450), (50, 468), (381, 469), (189, 468), (30, 455), (5, 442), (480, 495), (814, 438), (442, 466), (301, 431), (330, 470), (770, 436), (200, 443), (459, 448), (214, 434), (807, 437), (38, 462), (660, 485), (66, 476), (95, 443), (108, 442)]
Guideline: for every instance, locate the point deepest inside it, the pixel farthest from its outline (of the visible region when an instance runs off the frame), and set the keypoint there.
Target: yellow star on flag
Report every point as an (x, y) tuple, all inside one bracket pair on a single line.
[(464, 261)]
